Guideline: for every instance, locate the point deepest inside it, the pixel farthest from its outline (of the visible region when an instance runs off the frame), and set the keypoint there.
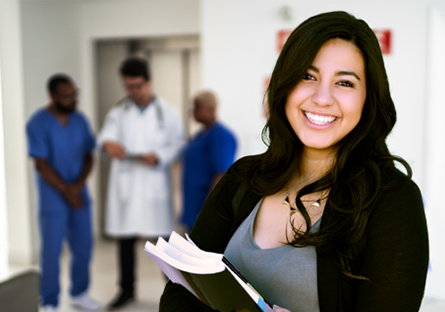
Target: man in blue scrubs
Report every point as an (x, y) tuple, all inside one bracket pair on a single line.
[(206, 157), (60, 142)]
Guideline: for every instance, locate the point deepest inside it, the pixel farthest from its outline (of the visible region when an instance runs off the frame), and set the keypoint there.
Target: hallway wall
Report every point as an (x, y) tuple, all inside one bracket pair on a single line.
[(20, 226)]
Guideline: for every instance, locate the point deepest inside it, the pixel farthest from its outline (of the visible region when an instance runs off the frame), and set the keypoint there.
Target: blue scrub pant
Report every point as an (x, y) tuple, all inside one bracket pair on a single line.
[(55, 226)]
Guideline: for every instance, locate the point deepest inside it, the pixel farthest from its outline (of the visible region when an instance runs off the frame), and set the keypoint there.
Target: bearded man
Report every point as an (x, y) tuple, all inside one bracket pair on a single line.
[(60, 142)]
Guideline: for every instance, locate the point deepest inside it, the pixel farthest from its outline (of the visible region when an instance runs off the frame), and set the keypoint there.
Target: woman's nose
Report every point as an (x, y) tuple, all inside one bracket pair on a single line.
[(323, 95)]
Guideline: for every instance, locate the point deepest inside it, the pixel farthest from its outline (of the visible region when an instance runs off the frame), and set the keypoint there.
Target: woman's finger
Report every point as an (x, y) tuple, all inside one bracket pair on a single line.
[(279, 309)]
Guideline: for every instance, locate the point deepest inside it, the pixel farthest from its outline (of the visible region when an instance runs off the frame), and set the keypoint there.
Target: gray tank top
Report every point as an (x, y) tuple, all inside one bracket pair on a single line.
[(285, 275)]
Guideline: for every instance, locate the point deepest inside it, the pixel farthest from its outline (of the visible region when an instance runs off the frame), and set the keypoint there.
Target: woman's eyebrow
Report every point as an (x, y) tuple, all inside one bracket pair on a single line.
[(347, 73), (339, 73)]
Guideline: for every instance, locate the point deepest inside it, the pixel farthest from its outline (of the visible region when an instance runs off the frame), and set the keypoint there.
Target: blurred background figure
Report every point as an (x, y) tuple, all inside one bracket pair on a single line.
[(206, 157), (144, 135), (60, 142)]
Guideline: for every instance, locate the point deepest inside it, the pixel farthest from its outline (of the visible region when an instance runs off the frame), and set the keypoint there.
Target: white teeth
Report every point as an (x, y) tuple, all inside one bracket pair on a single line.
[(318, 119)]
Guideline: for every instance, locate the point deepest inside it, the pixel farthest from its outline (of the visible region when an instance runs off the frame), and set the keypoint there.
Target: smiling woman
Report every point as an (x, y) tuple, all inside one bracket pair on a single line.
[(328, 102), (323, 220)]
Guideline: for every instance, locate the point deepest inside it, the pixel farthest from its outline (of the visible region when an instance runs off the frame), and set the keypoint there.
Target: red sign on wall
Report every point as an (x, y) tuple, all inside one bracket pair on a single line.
[(384, 38)]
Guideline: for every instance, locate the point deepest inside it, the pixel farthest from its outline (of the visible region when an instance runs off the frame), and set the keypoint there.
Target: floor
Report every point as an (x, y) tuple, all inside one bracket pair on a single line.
[(150, 284), (103, 288)]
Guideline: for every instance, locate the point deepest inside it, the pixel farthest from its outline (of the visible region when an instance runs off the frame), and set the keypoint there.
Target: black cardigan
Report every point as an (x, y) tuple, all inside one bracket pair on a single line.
[(393, 253)]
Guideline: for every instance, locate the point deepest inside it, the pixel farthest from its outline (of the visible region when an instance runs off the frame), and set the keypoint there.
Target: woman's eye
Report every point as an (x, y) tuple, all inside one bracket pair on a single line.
[(308, 77), (346, 84)]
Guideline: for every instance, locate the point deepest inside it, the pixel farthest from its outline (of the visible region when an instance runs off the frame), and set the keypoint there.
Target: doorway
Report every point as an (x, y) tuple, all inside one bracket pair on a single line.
[(175, 69)]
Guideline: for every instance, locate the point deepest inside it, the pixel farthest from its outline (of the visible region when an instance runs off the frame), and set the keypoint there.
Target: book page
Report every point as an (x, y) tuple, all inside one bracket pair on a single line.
[(188, 247), (181, 262), (173, 273), (185, 258)]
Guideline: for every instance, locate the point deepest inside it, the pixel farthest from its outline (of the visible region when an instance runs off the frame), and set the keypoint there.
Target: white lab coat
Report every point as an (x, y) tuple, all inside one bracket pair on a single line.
[(140, 197)]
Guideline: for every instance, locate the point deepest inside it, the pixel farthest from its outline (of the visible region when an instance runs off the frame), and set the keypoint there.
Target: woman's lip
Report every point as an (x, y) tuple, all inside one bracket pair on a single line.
[(319, 121)]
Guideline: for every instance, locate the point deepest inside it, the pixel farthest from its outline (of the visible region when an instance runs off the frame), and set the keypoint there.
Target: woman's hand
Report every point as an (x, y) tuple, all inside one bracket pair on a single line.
[(279, 309)]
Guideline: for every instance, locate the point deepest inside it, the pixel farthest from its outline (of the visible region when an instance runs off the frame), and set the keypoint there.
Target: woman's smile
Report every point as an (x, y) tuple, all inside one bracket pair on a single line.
[(319, 120), (327, 104)]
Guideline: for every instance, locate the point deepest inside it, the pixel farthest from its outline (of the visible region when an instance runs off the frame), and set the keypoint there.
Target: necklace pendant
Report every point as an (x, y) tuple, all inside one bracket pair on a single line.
[(316, 204), (286, 202)]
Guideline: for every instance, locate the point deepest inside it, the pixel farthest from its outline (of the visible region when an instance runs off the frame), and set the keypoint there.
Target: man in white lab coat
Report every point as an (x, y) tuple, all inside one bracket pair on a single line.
[(144, 135)]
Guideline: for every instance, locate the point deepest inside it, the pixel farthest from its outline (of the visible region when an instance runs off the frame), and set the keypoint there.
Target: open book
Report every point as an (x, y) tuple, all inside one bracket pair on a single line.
[(209, 276)]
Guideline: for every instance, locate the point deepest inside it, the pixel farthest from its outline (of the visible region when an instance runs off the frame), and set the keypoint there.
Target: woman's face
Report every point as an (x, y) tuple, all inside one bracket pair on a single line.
[(328, 102)]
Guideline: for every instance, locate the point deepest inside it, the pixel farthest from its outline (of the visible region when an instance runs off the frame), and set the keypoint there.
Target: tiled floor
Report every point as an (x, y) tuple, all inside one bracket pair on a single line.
[(149, 285)]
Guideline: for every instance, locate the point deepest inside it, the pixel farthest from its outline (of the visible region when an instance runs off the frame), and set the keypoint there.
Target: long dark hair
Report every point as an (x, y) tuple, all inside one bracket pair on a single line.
[(355, 178)]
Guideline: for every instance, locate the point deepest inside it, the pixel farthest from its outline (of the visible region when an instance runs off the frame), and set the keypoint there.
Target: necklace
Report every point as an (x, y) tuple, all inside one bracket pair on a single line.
[(313, 204)]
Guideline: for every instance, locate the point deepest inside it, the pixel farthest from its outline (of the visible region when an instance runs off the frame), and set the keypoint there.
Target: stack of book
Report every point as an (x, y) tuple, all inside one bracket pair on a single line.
[(209, 276)]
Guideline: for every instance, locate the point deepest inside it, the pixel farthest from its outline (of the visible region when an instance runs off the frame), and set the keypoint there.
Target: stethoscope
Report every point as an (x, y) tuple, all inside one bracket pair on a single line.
[(127, 103)]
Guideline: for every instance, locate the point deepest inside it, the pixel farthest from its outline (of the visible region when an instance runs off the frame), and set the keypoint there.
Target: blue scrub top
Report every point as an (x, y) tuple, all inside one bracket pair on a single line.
[(208, 153), (64, 147)]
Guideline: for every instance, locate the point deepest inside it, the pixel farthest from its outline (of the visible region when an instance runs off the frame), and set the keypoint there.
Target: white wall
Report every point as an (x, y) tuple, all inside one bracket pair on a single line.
[(435, 149), (3, 213), (19, 219), (51, 44), (239, 50)]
